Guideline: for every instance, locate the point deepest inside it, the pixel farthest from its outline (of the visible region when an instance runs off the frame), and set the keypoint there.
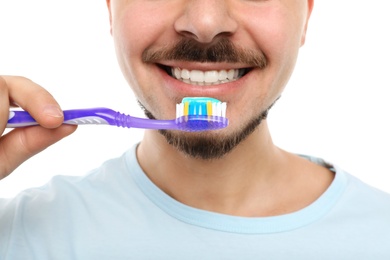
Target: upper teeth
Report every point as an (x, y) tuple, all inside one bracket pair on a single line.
[(211, 77)]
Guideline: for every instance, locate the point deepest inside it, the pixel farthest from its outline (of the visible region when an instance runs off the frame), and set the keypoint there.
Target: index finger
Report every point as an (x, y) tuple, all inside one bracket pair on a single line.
[(34, 99)]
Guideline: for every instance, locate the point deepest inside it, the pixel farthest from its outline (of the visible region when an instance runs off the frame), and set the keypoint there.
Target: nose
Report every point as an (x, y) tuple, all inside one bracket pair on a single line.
[(204, 20)]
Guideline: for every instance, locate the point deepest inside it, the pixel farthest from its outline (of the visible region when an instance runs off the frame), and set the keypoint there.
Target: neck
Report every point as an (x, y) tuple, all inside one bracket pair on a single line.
[(252, 180)]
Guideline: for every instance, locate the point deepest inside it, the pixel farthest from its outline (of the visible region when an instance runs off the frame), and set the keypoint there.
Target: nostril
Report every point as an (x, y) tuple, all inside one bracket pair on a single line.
[(188, 34), (205, 20)]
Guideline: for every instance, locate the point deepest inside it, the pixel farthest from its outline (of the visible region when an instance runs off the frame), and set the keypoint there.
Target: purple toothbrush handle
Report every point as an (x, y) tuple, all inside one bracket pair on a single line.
[(20, 119), (96, 116), (111, 117), (106, 116)]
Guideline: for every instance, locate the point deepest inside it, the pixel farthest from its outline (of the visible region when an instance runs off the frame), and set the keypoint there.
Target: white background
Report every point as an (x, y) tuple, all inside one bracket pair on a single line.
[(336, 105)]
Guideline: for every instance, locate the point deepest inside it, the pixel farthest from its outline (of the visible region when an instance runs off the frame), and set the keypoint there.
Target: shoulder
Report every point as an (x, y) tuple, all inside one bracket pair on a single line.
[(363, 203), (355, 190), (365, 193), (356, 201)]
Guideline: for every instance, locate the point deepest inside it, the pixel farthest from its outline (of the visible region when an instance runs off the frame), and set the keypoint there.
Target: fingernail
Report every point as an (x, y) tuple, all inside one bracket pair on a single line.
[(53, 111)]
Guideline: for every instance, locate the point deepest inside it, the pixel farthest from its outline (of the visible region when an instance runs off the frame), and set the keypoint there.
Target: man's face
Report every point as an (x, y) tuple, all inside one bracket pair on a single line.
[(159, 44)]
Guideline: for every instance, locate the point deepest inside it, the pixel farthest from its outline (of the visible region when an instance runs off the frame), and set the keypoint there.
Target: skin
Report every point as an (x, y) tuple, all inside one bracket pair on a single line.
[(256, 178), (20, 144)]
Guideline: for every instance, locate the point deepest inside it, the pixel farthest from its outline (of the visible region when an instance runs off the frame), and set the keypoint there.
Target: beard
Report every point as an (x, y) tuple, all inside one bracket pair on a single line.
[(208, 146)]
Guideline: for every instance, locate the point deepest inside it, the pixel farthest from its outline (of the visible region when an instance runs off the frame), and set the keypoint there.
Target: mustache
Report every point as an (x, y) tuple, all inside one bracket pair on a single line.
[(188, 49)]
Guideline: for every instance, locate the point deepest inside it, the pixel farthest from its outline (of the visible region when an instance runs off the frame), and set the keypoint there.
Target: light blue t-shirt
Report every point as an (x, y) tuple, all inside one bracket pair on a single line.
[(116, 212)]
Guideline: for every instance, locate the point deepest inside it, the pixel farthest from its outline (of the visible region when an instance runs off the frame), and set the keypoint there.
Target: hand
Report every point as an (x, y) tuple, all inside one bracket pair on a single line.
[(20, 144)]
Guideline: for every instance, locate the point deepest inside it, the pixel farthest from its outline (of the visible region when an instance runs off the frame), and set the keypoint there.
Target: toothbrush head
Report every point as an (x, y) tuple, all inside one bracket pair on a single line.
[(201, 114)]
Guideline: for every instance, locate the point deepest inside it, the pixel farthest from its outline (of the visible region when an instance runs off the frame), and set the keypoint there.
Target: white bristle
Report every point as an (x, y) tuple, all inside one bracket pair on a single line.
[(179, 110), (224, 106), (214, 108), (219, 109)]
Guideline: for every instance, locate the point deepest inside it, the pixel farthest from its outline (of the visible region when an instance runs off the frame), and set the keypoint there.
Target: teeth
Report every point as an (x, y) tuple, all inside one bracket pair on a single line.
[(197, 76), (212, 77)]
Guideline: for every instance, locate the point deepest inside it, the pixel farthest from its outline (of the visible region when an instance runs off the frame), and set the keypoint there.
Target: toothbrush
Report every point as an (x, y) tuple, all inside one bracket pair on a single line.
[(192, 114)]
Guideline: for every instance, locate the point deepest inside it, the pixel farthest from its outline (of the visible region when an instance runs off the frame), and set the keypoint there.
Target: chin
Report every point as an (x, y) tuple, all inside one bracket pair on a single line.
[(211, 145)]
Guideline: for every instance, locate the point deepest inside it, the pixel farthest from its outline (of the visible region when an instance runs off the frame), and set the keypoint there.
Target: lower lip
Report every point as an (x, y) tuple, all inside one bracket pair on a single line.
[(223, 91)]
